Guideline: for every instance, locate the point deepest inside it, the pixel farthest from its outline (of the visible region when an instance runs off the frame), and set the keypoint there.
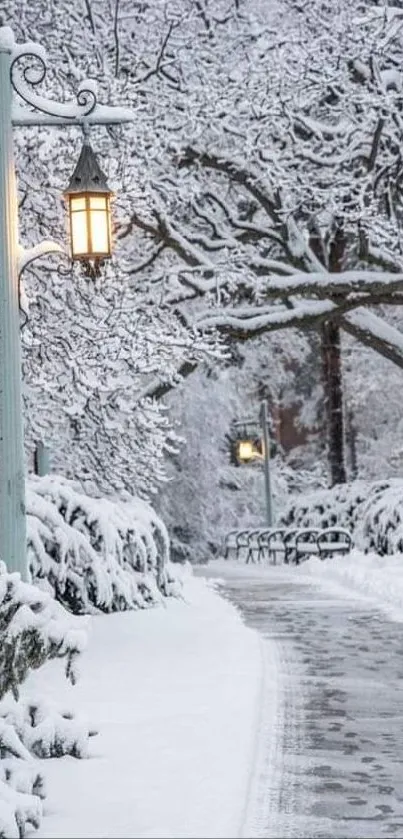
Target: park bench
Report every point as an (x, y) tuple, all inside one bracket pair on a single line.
[(291, 544), (322, 542), (243, 544)]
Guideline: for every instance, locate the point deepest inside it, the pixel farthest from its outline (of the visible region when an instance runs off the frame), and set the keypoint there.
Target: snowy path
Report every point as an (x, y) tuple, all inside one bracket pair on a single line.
[(174, 693), (336, 766)]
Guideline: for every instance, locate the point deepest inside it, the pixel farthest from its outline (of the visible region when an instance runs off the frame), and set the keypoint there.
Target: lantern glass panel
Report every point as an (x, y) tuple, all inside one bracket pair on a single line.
[(79, 231), (99, 231), (245, 450), (97, 202), (77, 204)]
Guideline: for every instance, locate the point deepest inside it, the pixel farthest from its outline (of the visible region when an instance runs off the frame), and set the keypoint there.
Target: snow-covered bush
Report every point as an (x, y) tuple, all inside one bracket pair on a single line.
[(34, 628), (326, 507), (371, 510), (45, 730), (379, 527), (94, 553)]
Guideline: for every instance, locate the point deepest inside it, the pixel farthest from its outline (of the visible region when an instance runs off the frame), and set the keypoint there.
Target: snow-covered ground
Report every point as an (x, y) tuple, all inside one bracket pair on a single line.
[(201, 720), (174, 693)]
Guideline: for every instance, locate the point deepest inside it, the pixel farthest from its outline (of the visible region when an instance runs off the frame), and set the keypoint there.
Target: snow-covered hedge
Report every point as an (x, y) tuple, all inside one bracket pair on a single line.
[(95, 554), (34, 628), (371, 510), (91, 554)]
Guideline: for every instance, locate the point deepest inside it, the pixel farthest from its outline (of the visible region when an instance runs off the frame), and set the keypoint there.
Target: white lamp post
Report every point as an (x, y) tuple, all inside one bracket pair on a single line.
[(249, 447), (16, 76), (264, 420)]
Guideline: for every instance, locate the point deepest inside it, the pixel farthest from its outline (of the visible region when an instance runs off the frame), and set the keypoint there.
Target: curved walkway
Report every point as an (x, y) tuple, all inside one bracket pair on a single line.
[(332, 764)]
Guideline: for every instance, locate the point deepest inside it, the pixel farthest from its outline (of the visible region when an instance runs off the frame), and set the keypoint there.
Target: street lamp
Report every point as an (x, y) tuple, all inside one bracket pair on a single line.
[(88, 197), (22, 78), (248, 444), (250, 447)]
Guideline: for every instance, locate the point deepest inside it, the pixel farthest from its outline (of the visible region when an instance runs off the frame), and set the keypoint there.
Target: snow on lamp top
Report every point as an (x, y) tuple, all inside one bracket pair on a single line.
[(26, 76)]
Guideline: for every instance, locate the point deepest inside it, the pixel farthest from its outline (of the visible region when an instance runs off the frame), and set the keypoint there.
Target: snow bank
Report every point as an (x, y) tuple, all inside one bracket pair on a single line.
[(379, 577), (174, 694), (95, 554)]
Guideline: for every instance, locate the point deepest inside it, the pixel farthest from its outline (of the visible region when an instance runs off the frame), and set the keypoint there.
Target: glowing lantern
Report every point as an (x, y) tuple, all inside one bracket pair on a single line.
[(246, 450), (246, 442), (89, 198)]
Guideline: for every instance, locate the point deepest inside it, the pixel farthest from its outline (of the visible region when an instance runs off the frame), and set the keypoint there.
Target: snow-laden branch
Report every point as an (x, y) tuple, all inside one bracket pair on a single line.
[(373, 331), (28, 255), (247, 322), (244, 323), (323, 284)]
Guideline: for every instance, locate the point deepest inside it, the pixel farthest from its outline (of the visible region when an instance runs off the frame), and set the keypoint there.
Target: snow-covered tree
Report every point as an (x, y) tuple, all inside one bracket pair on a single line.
[(258, 192), (285, 175)]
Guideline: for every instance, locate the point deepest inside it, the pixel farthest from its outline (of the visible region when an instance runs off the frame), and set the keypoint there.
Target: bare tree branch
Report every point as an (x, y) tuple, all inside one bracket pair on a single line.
[(116, 37), (159, 66)]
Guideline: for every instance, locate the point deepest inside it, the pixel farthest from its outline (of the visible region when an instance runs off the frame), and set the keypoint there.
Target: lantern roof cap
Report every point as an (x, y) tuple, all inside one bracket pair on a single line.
[(88, 175)]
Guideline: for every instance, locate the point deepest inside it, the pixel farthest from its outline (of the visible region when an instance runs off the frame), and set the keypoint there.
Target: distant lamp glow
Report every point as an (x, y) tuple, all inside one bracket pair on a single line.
[(246, 450), (88, 196), (246, 441)]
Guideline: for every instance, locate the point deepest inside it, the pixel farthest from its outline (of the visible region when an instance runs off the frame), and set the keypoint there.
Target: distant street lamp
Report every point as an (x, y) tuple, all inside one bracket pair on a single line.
[(90, 241), (247, 441), (251, 442), (246, 451), (264, 420)]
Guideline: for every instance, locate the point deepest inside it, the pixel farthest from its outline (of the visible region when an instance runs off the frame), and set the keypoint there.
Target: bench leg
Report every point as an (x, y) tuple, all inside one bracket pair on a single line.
[(272, 557)]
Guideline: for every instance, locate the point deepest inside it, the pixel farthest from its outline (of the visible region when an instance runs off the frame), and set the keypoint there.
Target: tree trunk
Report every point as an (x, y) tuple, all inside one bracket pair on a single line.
[(351, 438), (333, 390), (331, 371)]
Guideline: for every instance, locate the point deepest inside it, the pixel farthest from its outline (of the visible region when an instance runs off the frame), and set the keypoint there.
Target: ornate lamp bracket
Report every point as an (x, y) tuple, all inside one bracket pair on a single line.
[(28, 68)]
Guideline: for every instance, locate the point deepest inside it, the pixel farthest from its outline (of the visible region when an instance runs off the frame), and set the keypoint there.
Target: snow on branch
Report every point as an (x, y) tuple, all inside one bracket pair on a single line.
[(33, 629), (28, 255), (375, 333), (257, 320), (45, 731), (323, 284), (245, 322)]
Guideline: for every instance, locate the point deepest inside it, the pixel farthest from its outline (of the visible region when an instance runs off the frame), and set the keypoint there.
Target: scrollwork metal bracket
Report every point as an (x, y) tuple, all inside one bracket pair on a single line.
[(28, 68)]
